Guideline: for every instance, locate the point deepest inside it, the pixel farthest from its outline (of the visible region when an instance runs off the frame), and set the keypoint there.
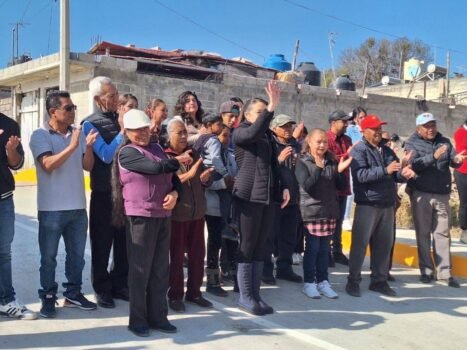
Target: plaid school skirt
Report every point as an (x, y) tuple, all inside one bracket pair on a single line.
[(321, 227)]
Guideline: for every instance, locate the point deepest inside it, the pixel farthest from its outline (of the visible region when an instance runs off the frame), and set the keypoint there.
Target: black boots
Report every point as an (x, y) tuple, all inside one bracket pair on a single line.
[(247, 301), (257, 274)]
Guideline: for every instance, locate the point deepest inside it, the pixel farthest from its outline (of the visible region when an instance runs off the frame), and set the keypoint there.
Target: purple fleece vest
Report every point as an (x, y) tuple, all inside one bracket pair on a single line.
[(144, 194)]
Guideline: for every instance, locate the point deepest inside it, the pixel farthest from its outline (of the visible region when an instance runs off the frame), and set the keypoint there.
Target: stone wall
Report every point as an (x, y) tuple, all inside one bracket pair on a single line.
[(310, 104), (6, 106)]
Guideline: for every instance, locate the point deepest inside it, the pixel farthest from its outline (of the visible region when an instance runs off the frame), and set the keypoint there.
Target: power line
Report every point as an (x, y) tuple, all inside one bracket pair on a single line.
[(50, 28), (343, 20), (25, 10), (208, 30)]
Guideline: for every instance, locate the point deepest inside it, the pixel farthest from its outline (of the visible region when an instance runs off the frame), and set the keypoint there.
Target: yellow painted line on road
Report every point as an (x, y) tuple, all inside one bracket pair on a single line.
[(406, 254), (28, 176)]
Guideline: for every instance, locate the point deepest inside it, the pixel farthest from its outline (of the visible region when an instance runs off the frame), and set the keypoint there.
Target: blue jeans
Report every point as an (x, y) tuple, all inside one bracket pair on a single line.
[(72, 225), (316, 258), (7, 231)]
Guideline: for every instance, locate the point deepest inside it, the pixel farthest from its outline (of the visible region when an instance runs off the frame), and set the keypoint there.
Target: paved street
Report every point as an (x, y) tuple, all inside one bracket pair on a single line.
[(422, 317)]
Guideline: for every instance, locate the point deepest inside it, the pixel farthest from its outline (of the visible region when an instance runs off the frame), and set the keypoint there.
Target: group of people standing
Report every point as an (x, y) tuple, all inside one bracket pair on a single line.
[(260, 185)]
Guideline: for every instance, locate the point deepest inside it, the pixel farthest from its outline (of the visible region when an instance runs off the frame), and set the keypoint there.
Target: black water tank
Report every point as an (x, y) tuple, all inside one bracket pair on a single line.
[(344, 83), (312, 74)]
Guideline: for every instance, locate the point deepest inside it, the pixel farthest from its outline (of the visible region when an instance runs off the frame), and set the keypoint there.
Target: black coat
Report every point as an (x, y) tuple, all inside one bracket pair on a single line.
[(260, 179), (318, 187), (433, 176)]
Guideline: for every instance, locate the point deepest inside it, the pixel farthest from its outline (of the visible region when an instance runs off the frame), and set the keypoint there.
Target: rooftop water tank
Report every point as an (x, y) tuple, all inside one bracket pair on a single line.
[(312, 74), (277, 62), (344, 83)]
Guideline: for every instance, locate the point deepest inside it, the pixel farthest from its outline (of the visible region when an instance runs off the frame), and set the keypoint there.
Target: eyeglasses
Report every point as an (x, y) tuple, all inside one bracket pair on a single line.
[(69, 108)]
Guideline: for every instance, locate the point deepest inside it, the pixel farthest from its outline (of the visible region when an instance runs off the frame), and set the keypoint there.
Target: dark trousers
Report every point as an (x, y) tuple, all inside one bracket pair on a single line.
[(255, 223), (214, 244), (283, 238), (316, 258), (378, 224), (336, 243), (103, 235), (148, 242), (229, 252), (187, 236), (461, 181)]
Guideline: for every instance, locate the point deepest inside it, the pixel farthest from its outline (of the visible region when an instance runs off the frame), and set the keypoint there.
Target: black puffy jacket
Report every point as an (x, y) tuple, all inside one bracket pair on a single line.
[(318, 187), (433, 176), (260, 179)]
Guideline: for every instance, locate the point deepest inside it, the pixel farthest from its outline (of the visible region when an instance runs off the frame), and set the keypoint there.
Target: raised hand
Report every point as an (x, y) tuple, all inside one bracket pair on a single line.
[(274, 95), (343, 164), (170, 200), (394, 167), (297, 132), (91, 138), (75, 136), (185, 158), (206, 175), (406, 159), (440, 151), (285, 198), (408, 173), (12, 143), (460, 157), (285, 153)]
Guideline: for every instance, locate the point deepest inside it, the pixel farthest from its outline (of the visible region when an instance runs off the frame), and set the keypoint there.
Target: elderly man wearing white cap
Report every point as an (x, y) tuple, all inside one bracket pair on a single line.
[(431, 156)]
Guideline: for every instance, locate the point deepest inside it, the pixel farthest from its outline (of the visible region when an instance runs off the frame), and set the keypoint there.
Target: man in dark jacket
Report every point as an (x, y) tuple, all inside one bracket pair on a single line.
[(339, 145), (432, 155), (375, 168), (107, 285), (11, 158), (283, 237)]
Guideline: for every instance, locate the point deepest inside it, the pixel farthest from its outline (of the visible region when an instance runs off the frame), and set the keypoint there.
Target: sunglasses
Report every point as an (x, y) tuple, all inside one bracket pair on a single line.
[(69, 108)]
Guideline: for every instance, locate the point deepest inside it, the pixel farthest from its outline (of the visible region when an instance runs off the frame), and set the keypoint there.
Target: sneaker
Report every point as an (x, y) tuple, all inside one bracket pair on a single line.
[(324, 288), (139, 331), (451, 282), (16, 310), (311, 291), (48, 306), (165, 327), (340, 258), (79, 301), (383, 288), (353, 289), (105, 300), (296, 258)]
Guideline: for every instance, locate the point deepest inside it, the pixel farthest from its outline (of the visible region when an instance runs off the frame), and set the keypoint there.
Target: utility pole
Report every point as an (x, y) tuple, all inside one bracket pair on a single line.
[(448, 68), (15, 37), (294, 62), (331, 45), (64, 45)]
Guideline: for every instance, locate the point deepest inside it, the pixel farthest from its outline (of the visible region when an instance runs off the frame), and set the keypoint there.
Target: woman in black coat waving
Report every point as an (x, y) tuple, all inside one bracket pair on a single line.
[(259, 182)]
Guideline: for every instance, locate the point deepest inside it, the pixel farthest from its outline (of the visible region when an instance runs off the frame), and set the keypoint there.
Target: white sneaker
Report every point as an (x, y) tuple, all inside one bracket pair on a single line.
[(296, 258), (324, 288), (310, 290), (16, 310)]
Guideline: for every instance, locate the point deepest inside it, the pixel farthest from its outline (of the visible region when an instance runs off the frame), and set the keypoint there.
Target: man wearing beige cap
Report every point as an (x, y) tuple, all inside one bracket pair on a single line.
[(432, 155), (283, 238)]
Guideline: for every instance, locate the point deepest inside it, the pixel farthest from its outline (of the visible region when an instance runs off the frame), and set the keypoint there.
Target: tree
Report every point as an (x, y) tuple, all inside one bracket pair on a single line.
[(383, 57)]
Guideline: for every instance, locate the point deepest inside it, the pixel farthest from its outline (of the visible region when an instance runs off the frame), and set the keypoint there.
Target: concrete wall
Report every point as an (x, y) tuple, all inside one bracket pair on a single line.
[(310, 104), (6, 105), (434, 89)]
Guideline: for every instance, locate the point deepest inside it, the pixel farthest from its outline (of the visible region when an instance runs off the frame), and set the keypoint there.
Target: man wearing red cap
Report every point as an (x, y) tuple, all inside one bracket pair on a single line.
[(375, 169)]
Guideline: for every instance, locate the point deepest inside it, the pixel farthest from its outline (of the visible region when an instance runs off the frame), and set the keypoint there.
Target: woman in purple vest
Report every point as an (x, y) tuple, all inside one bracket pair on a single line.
[(146, 190)]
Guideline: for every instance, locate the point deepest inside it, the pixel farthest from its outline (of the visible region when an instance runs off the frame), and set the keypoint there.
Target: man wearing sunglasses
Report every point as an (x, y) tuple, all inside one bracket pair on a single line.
[(61, 152)]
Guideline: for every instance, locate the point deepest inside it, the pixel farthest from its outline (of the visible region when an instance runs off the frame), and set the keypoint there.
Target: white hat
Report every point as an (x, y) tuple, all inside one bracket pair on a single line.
[(135, 119)]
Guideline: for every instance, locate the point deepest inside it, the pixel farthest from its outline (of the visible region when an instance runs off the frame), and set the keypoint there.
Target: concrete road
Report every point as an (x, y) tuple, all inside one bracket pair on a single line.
[(422, 317)]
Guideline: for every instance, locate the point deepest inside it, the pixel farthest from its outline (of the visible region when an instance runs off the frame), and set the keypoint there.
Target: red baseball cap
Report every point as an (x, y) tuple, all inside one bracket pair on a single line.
[(371, 122)]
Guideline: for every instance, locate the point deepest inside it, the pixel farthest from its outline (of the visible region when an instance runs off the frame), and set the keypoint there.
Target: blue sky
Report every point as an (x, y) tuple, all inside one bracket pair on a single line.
[(249, 28)]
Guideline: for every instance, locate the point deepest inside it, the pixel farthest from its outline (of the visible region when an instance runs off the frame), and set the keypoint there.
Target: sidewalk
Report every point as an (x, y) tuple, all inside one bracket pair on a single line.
[(421, 317)]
